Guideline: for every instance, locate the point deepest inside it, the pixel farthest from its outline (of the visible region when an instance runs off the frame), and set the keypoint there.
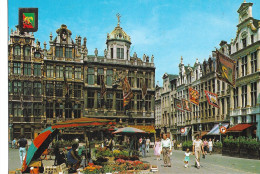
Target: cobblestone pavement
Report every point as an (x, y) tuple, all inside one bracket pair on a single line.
[(214, 163)]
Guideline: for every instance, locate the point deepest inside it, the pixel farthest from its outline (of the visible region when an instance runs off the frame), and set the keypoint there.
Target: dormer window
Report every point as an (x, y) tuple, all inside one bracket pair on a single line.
[(120, 53), (252, 39), (37, 55), (237, 46), (17, 50), (244, 42), (27, 52), (59, 52)]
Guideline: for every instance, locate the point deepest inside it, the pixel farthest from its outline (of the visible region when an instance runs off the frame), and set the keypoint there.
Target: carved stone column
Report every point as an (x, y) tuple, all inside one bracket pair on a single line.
[(239, 97), (135, 79), (231, 98), (248, 63), (95, 76), (95, 99), (249, 94), (239, 67)]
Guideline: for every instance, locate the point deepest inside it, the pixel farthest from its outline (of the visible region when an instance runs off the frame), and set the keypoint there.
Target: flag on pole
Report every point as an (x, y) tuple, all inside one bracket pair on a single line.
[(66, 85), (28, 19), (186, 105), (127, 92), (212, 98), (225, 69), (178, 104), (103, 88), (194, 96), (144, 90)]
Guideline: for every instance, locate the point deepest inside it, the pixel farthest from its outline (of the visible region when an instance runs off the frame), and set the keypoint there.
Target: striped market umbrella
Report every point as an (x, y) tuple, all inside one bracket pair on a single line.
[(39, 145), (42, 141), (128, 130)]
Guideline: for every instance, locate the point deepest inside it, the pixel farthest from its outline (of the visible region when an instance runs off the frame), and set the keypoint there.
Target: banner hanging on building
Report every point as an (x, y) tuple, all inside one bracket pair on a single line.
[(194, 96), (103, 88), (144, 90), (178, 104), (28, 19), (212, 98), (225, 69), (127, 92), (186, 105)]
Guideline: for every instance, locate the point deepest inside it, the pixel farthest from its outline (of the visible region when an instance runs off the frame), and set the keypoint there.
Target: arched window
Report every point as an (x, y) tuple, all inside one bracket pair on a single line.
[(27, 52), (17, 51)]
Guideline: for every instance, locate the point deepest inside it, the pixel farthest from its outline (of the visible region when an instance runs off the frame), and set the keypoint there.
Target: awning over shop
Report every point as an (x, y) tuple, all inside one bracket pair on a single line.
[(215, 129), (202, 133), (147, 128), (239, 127), (187, 129), (84, 122)]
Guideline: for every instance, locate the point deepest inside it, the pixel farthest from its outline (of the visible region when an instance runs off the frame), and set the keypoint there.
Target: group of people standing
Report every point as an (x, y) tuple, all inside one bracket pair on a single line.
[(144, 144), (199, 148)]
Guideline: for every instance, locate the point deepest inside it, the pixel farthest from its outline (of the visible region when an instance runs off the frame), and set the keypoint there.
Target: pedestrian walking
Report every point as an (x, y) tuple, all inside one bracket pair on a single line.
[(166, 149), (14, 143), (147, 145), (23, 145), (187, 157), (157, 148), (205, 142), (140, 143), (143, 147), (210, 146), (197, 148), (111, 144)]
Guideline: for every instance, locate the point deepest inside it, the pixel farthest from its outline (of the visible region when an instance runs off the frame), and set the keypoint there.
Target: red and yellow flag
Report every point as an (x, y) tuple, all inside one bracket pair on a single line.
[(127, 92)]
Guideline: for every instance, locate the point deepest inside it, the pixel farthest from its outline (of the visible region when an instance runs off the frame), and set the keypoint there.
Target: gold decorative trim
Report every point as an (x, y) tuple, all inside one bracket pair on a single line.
[(251, 25)]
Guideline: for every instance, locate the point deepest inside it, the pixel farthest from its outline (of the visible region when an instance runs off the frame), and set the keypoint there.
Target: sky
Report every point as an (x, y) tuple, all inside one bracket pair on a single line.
[(164, 28)]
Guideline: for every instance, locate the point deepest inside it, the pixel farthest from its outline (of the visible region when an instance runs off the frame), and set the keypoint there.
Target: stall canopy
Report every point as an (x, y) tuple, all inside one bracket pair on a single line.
[(201, 134), (239, 127), (128, 130), (147, 128), (215, 129), (187, 129), (84, 122), (42, 141)]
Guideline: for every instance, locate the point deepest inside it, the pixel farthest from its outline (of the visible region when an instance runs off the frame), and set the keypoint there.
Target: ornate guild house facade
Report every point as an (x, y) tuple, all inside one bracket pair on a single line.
[(64, 82)]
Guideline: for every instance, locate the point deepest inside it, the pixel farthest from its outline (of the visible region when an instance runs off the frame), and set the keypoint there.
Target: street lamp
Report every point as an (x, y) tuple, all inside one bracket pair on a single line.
[(219, 126), (200, 127)]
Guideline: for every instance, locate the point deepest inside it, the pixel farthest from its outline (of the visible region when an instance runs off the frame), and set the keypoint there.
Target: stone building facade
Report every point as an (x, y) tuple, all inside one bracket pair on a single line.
[(204, 116), (245, 50), (64, 82)]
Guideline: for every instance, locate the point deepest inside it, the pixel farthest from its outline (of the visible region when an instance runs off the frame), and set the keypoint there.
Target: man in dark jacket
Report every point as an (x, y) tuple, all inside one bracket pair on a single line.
[(23, 146)]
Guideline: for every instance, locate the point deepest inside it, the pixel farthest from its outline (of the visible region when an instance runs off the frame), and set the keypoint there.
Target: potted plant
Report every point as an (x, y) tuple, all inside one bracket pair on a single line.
[(243, 147), (253, 148)]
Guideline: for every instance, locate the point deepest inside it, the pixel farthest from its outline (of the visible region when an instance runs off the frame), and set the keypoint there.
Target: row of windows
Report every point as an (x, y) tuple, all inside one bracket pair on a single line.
[(29, 88), (68, 109), (109, 78), (244, 64), (244, 119), (59, 52), (119, 101), (253, 93), (244, 42), (27, 51), (36, 109), (28, 109), (25, 88), (59, 87), (27, 69), (60, 71)]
